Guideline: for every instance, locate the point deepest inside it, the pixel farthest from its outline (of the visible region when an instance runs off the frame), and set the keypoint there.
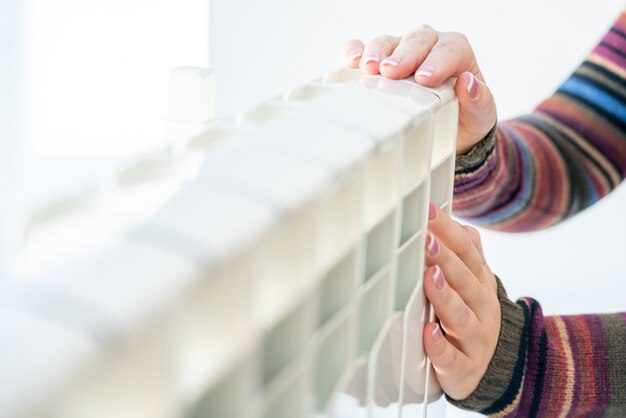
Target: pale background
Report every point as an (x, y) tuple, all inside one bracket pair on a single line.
[(85, 86)]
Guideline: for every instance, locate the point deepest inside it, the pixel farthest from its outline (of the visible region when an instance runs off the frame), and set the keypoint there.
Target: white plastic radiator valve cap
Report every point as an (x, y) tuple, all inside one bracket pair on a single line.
[(191, 103)]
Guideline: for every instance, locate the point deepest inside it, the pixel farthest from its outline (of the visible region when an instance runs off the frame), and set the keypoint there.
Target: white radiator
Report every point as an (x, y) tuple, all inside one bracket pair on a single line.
[(280, 276)]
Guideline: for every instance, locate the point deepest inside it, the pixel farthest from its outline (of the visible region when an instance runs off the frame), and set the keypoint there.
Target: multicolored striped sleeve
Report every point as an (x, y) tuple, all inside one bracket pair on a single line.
[(537, 170), (554, 366)]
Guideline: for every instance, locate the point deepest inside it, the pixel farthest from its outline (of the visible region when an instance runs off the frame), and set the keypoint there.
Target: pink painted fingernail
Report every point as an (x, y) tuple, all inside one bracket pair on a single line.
[(354, 54), (472, 86), (438, 278), (372, 58), (432, 211), (392, 61), (437, 333), (425, 71), (432, 244)]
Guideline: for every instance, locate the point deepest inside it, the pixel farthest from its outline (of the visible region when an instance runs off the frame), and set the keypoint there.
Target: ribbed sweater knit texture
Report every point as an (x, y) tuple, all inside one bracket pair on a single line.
[(530, 173)]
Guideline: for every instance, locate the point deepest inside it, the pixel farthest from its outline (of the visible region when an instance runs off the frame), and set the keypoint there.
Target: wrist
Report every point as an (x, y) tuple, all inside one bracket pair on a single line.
[(503, 378), (478, 153)]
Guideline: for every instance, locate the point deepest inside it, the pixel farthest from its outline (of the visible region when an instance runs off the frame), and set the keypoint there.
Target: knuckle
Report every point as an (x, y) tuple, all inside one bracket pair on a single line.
[(463, 317), (485, 290), (424, 27), (460, 38), (423, 32), (466, 247), (479, 297), (472, 232), (417, 42), (463, 285), (447, 46)]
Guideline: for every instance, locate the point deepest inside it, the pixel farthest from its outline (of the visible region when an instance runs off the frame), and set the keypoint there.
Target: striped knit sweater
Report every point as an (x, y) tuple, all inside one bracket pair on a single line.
[(530, 173)]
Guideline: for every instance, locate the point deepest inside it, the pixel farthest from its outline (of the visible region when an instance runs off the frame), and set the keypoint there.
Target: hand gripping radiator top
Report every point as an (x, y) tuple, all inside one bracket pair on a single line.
[(279, 276)]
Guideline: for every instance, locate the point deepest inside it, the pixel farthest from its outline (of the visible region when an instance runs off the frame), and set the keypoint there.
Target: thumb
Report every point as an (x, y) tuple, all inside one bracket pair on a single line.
[(477, 111)]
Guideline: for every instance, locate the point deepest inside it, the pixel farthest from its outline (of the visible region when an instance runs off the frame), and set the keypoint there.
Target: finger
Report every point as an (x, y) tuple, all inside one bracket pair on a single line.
[(450, 56), (457, 319), (376, 51), (453, 236), (477, 110), (410, 52), (475, 237), (351, 53), (457, 275), (445, 357)]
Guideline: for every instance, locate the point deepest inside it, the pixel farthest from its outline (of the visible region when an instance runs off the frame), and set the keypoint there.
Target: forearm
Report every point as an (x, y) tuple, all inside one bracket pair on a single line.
[(537, 170), (554, 366)]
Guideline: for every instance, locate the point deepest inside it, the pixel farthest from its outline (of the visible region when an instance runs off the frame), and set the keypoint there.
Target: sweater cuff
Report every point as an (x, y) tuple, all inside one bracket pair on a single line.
[(476, 156), (503, 377)]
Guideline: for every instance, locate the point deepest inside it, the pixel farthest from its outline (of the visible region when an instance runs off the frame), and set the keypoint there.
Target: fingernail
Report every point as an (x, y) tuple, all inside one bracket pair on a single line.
[(438, 278), (372, 58), (354, 54), (437, 333), (432, 211), (472, 86), (392, 61), (425, 71), (432, 245)]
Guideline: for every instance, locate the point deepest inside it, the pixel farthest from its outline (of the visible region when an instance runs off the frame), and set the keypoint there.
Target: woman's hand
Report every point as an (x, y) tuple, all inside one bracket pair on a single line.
[(432, 57), (463, 291)]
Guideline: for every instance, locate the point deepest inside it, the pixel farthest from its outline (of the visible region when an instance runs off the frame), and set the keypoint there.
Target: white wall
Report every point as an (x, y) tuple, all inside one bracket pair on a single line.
[(10, 114), (96, 72), (525, 49), (87, 84)]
